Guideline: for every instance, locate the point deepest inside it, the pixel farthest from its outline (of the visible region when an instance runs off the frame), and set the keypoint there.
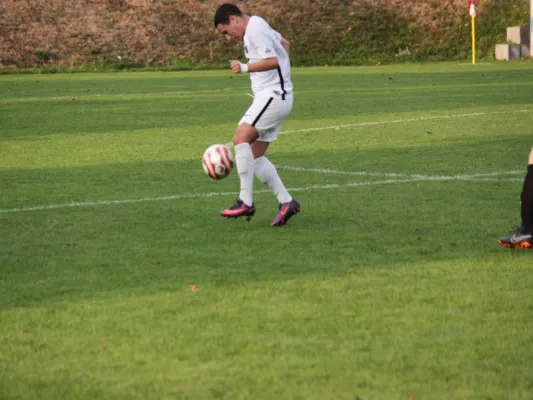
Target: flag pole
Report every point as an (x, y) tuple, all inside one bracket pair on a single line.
[(473, 39), (472, 11)]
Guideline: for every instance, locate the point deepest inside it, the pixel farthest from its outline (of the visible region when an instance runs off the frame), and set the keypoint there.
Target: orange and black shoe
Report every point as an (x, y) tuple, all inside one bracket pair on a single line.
[(286, 211), (517, 240), (239, 209)]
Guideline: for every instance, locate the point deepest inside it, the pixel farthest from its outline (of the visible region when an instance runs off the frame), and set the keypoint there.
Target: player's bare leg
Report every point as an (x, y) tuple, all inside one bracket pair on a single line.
[(244, 136)]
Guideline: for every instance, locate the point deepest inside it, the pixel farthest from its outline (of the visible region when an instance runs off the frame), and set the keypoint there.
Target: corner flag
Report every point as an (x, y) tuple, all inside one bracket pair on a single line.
[(472, 8), (472, 12)]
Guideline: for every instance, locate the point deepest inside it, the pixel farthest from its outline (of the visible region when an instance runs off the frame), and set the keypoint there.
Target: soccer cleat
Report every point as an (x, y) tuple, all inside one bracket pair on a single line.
[(239, 209), (517, 240), (286, 211)]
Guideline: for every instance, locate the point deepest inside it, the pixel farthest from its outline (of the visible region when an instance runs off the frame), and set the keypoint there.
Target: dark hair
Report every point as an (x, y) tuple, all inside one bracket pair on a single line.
[(224, 12)]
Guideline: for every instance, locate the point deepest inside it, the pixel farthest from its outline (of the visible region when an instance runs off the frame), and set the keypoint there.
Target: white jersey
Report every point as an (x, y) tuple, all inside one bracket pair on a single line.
[(260, 42)]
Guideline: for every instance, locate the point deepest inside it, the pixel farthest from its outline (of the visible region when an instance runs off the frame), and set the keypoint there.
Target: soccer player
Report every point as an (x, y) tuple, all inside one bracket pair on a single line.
[(270, 72), (522, 237)]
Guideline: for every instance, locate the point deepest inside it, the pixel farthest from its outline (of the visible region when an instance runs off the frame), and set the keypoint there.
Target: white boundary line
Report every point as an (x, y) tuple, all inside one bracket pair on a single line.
[(397, 175), (339, 127), (408, 177), (398, 121), (119, 95), (414, 178), (405, 120)]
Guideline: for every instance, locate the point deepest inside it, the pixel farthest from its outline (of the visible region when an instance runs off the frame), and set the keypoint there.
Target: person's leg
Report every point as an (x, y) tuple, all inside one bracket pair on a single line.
[(268, 128), (244, 136), (267, 173), (526, 198), (260, 126), (522, 237)]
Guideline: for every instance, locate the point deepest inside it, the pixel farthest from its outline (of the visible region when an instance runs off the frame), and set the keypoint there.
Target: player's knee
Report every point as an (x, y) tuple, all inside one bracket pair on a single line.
[(245, 134), (530, 162), (238, 140)]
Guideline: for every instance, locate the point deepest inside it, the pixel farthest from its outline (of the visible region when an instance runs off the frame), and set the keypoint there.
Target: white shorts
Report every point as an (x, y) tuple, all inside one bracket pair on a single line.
[(267, 114)]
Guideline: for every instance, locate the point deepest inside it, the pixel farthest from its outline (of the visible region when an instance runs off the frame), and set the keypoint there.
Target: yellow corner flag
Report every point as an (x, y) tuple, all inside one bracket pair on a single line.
[(472, 11)]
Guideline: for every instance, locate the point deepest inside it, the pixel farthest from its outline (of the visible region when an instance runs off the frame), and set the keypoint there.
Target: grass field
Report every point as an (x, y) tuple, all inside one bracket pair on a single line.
[(119, 280)]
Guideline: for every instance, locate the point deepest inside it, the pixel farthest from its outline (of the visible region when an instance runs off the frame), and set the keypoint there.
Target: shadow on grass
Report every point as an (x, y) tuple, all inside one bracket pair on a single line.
[(137, 248)]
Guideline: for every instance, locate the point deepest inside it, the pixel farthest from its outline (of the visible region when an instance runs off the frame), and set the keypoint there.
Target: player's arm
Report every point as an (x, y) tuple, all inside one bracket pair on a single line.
[(264, 43), (266, 64)]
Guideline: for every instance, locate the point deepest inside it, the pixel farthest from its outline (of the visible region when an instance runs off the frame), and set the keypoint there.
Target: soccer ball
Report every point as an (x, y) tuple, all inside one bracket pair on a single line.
[(217, 161)]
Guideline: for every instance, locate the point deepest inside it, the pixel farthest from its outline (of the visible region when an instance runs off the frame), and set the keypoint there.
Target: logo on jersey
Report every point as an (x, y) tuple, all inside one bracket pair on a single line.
[(246, 50)]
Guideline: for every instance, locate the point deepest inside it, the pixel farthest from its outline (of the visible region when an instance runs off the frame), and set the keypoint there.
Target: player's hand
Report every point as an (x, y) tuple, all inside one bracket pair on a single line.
[(236, 67)]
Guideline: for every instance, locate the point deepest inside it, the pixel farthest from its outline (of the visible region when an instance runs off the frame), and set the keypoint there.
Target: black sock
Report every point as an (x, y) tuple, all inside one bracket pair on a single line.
[(526, 206)]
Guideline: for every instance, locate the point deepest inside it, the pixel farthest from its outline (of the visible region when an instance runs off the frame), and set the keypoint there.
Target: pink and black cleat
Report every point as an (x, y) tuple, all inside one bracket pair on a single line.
[(286, 211), (239, 209)]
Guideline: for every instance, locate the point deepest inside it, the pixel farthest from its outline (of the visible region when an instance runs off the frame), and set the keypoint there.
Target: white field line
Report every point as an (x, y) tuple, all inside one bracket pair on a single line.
[(194, 91), (119, 95), (406, 120), (398, 121), (396, 175), (415, 178)]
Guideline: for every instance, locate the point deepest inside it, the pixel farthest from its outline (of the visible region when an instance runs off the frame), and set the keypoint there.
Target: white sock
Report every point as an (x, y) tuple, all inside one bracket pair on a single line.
[(268, 174), (244, 158)]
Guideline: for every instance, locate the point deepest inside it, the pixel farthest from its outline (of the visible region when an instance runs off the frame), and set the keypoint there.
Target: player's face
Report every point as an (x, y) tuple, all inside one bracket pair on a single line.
[(233, 30)]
